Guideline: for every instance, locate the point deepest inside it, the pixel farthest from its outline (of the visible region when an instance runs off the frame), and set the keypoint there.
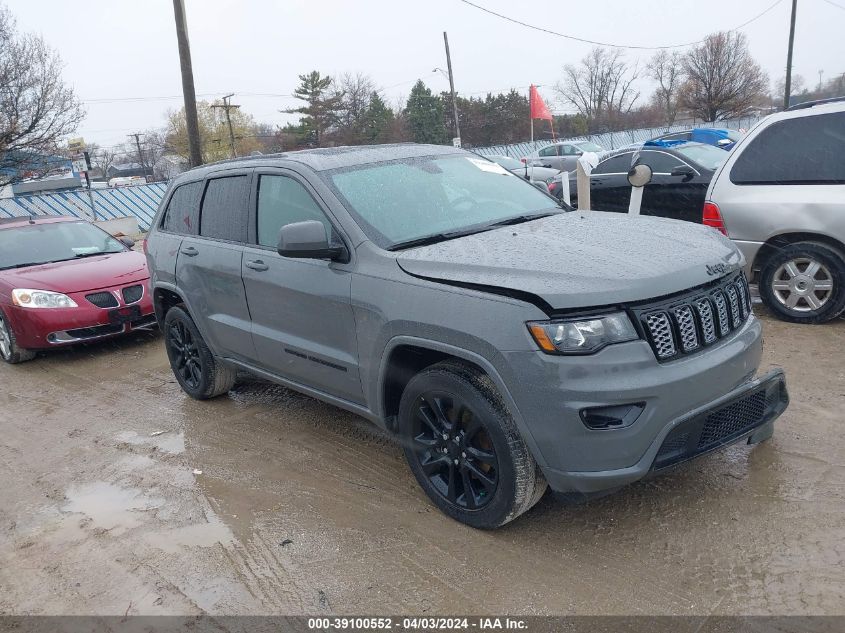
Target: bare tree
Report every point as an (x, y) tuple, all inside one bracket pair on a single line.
[(36, 108), (355, 92), (667, 70), (601, 87), (102, 158), (723, 80)]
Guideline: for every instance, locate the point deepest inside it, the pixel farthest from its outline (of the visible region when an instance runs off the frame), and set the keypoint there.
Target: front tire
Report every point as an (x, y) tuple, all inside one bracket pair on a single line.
[(9, 349), (464, 449), (804, 283), (200, 374)]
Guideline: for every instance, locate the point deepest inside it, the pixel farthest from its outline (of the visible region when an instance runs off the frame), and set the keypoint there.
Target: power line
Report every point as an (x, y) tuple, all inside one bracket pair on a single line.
[(597, 43), (834, 4)]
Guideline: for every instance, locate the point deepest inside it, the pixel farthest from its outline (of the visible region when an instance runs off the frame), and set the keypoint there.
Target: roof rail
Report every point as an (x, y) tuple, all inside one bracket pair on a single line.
[(810, 104)]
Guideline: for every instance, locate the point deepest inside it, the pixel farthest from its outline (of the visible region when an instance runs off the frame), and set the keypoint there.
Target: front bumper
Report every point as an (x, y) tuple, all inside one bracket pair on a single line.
[(745, 413), (47, 328), (550, 392)]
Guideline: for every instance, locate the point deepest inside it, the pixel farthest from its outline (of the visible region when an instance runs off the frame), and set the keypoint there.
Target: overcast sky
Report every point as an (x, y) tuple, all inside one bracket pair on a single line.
[(115, 50)]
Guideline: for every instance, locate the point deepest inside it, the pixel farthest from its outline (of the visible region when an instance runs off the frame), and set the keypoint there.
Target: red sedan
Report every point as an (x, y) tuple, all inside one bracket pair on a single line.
[(64, 281)]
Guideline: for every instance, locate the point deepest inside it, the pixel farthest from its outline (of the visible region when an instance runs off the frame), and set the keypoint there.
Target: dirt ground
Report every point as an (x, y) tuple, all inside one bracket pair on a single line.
[(269, 502)]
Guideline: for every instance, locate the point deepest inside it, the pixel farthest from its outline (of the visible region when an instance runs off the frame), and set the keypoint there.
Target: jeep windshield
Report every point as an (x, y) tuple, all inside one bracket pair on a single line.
[(405, 203), (36, 244)]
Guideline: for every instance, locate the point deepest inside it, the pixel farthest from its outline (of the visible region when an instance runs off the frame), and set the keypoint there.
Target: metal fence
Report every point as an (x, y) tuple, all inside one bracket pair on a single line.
[(140, 201), (612, 140)]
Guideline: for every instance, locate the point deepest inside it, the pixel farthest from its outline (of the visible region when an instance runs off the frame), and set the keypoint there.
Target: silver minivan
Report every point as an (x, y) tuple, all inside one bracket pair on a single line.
[(780, 196)]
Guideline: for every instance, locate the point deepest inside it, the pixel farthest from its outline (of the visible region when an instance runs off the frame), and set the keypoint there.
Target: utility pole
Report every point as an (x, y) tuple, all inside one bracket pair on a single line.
[(821, 72), (787, 88), (226, 107), (188, 91), (137, 136), (452, 88)]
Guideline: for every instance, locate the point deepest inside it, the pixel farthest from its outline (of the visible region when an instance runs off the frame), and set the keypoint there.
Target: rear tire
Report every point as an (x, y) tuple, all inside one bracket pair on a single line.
[(200, 374), (463, 447), (804, 283), (9, 350)]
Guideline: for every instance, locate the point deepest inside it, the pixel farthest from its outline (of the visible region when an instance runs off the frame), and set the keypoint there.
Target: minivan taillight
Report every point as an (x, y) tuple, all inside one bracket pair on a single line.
[(711, 216)]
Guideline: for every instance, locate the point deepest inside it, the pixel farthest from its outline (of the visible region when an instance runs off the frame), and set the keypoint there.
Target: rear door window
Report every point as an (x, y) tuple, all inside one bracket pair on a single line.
[(806, 151), (182, 213), (660, 162), (283, 200), (224, 209), (615, 164)]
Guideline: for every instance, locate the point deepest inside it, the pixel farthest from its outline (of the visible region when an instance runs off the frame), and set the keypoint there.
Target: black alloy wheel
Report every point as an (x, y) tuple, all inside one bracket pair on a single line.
[(185, 355), (454, 450), (464, 448), (197, 370)]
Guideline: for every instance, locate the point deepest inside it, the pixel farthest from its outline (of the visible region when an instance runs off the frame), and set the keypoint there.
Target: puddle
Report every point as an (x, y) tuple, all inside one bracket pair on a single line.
[(171, 442), (108, 506), (207, 534)]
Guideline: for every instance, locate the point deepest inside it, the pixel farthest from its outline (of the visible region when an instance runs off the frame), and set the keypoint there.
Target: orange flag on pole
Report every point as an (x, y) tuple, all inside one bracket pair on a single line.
[(537, 105)]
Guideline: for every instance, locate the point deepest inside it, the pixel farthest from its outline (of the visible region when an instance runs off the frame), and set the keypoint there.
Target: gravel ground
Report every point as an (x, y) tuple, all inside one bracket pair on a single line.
[(121, 495)]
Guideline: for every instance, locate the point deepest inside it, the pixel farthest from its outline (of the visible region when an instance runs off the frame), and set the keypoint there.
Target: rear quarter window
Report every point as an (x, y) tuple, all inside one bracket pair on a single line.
[(182, 212), (806, 151)]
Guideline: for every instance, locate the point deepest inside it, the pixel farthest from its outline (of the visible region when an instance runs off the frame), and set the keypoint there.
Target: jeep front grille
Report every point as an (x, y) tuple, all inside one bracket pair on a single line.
[(701, 317)]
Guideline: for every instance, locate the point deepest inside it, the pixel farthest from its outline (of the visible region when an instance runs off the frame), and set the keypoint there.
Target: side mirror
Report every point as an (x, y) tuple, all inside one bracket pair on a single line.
[(128, 242), (683, 170), (639, 175), (308, 240)]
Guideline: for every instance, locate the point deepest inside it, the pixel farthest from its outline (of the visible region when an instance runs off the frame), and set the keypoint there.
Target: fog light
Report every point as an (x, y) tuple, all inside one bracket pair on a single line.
[(612, 417)]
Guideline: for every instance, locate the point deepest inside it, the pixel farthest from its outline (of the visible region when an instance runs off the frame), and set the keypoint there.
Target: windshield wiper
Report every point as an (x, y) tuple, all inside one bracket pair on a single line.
[(442, 237), (24, 265), (519, 219), (79, 255)]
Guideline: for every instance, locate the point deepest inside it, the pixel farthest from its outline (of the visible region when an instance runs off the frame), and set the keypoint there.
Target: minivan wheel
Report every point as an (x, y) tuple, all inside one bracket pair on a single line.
[(804, 283), (200, 374), (464, 448), (9, 350)]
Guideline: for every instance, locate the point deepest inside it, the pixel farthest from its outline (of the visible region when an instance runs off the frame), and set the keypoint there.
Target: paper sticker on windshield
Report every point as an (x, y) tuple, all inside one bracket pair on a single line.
[(486, 165), (85, 250)]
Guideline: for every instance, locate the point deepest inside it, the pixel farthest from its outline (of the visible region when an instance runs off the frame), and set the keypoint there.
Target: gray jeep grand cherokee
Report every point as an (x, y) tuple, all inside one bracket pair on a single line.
[(507, 342)]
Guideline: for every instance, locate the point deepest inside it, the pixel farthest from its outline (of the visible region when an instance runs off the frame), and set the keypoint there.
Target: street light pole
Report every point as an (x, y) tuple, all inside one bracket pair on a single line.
[(452, 88)]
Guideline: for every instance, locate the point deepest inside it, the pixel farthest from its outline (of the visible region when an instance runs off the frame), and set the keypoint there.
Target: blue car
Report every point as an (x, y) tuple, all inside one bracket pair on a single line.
[(723, 139)]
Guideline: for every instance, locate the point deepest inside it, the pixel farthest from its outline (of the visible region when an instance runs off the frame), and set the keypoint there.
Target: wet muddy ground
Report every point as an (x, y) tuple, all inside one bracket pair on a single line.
[(119, 494)]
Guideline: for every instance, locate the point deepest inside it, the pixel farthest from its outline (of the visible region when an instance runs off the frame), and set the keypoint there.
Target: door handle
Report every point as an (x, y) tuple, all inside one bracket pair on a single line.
[(256, 264), (190, 251)]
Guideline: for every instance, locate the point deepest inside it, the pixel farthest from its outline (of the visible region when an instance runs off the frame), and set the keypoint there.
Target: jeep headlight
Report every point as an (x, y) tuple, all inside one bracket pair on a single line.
[(27, 298), (582, 336)]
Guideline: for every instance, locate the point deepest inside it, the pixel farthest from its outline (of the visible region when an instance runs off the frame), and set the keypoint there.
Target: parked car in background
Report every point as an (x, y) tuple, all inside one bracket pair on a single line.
[(65, 280), (562, 156), (681, 174), (723, 139), (781, 197), (505, 342), (524, 170)]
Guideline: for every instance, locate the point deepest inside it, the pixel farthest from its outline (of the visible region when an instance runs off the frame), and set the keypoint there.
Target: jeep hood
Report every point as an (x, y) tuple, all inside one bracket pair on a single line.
[(580, 259)]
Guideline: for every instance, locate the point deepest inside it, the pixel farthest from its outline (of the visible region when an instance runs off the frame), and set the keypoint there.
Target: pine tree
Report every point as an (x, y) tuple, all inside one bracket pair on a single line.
[(322, 107), (425, 115), (378, 119)]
